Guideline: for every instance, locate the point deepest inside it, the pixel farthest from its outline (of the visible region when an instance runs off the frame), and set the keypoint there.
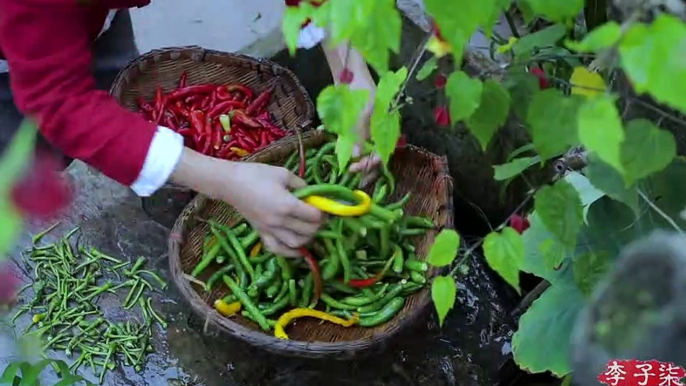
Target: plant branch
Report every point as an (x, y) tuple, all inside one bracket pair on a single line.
[(416, 58), (478, 244), (511, 23), (660, 211)]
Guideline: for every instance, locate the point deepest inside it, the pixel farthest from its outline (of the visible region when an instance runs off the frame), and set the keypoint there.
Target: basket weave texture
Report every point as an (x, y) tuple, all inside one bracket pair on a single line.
[(423, 174), (290, 105)]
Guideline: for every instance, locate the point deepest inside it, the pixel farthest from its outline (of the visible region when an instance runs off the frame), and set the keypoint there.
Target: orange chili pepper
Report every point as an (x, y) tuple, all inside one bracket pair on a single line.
[(240, 152), (256, 250)]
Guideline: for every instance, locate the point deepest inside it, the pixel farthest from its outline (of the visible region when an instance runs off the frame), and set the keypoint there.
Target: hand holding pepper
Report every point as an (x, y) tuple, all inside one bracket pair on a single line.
[(261, 193)]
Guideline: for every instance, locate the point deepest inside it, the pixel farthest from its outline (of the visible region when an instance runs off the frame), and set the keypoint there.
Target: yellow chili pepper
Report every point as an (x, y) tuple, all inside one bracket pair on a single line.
[(286, 318), (227, 309), (256, 250), (240, 152), (37, 318), (336, 208)]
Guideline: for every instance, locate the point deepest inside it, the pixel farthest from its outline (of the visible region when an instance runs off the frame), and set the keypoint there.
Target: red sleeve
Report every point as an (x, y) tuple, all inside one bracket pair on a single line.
[(48, 50)]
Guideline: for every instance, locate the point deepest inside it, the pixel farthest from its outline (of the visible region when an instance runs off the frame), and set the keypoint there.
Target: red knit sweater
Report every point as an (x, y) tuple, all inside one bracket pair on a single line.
[(48, 46)]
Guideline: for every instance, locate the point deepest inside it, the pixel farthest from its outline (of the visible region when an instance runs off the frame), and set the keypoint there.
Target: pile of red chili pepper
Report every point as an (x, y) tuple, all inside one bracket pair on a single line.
[(359, 269), (227, 121)]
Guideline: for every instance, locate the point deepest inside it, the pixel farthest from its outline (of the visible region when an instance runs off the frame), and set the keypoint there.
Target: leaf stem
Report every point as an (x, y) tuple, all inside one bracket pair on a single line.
[(416, 58), (660, 211), (511, 23)]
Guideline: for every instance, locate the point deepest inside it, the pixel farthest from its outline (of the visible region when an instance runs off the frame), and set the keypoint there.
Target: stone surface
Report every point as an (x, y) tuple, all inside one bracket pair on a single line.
[(468, 351)]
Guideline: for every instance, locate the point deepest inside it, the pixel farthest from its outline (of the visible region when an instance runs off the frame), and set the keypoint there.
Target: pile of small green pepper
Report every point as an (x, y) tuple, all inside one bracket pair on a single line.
[(68, 281), (368, 262)]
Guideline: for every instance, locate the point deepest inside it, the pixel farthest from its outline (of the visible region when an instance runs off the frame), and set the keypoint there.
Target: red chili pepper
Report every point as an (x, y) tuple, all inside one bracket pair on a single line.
[(197, 121), (185, 132), (205, 105), (181, 110), (224, 152), (207, 146), (183, 79), (159, 107), (240, 117), (224, 107), (264, 139), (246, 91), (316, 275), (213, 99), (170, 120), (145, 106), (218, 136), (259, 102), (208, 127), (193, 99), (267, 124), (251, 144), (223, 93), (237, 97), (191, 90), (362, 283)]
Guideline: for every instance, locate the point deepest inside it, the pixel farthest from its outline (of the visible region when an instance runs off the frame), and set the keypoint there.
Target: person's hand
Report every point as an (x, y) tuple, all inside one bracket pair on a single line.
[(259, 192)]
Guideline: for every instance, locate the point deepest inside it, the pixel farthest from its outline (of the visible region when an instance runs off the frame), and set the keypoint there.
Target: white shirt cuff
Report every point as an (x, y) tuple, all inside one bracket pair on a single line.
[(163, 156), (310, 36)]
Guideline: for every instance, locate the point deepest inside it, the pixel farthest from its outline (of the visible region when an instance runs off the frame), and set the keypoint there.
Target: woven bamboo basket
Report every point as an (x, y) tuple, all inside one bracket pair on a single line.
[(416, 170), (290, 106)]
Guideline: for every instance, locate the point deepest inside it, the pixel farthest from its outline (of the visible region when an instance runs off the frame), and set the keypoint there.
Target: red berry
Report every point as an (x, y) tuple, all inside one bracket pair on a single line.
[(402, 142), (9, 283), (42, 192), (442, 116), (441, 80), (542, 79), (346, 76), (519, 223)]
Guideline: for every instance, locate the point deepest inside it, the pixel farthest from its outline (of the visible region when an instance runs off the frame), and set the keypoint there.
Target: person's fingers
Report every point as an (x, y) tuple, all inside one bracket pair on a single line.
[(370, 178), (290, 239), (365, 164), (295, 182), (300, 227), (303, 211), (272, 244)]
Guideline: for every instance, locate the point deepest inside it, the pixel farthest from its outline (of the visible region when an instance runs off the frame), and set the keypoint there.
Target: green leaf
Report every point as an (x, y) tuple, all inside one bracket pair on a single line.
[(666, 190), (459, 20), (504, 252), (443, 294), (589, 269), (557, 10), (427, 68), (543, 341), (379, 33), (600, 130), (535, 261), (587, 192), (499, 7), (514, 167), (645, 150), (551, 122), (385, 131), (554, 253), (522, 87), (385, 126), (546, 37), (339, 108), (293, 19), (609, 181), (491, 113), (604, 36), (389, 87), (445, 247), (559, 207), (652, 57), (465, 95), (344, 17), (17, 155), (344, 150)]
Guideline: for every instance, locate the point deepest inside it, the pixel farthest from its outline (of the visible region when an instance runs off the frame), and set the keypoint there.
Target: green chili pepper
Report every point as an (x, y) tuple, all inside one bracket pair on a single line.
[(354, 225), (323, 234), (331, 269), (292, 161), (391, 309), (418, 221), (206, 260), (270, 322), (400, 204), (380, 193), (329, 301), (247, 303), (306, 296), (416, 265), (217, 276), (417, 277), (384, 237), (286, 272), (368, 298), (250, 239), (398, 259), (345, 261), (412, 232), (273, 289), (265, 279), (228, 299), (240, 251), (276, 307), (340, 287), (292, 292), (283, 292), (411, 288), (392, 293)]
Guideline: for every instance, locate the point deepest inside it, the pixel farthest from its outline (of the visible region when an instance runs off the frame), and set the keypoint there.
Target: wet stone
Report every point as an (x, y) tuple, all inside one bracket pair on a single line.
[(467, 351)]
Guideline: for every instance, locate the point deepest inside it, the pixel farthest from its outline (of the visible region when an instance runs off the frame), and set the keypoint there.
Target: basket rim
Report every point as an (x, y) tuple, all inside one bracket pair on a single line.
[(121, 80), (292, 347)]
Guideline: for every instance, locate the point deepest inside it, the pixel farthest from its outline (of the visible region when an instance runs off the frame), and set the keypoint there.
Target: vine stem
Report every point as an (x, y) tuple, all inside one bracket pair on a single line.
[(511, 23), (417, 57), (660, 212), (478, 244)]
